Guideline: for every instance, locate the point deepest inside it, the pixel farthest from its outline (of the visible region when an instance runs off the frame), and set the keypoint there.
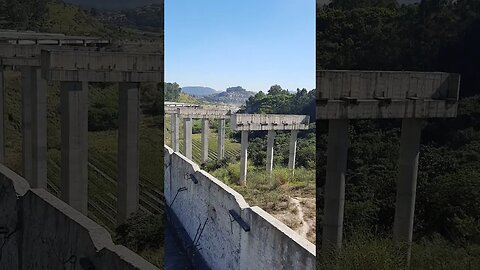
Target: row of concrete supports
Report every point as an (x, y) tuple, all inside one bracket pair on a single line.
[(270, 151), (74, 140), (335, 182), (187, 136), (74, 122)]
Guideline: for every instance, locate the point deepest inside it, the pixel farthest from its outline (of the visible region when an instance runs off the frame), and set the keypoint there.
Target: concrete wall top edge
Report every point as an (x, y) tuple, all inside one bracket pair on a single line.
[(238, 197), (294, 236), (21, 185)]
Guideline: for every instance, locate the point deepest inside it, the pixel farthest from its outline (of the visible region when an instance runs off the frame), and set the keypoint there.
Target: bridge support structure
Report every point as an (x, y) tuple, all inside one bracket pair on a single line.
[(350, 95), (191, 113), (75, 70), (271, 123)]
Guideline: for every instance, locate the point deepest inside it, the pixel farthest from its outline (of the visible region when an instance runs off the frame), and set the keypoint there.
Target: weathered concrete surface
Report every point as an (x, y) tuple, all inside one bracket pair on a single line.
[(224, 244), (74, 144), (407, 182), (252, 122), (270, 144), (187, 137), (221, 139), (335, 183), (128, 151), (200, 113), (101, 66), (386, 94), (292, 153), (34, 99), (46, 233), (29, 37), (205, 131), (244, 158), (2, 113)]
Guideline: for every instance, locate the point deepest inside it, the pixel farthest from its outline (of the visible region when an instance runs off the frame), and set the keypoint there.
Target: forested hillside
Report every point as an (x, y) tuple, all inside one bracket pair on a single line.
[(431, 36)]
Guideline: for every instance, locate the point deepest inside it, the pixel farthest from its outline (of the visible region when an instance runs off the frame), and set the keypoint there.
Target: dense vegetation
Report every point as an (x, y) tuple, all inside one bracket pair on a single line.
[(430, 36)]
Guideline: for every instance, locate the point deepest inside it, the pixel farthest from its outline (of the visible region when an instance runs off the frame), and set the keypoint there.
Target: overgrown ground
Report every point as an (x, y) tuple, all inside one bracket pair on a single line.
[(291, 199)]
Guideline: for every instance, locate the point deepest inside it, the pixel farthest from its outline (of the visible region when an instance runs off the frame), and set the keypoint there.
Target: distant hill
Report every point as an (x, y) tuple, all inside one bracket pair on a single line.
[(233, 95), (199, 91)]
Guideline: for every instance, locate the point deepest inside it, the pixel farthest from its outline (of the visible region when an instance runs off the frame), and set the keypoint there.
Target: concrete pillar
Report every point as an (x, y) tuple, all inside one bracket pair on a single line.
[(187, 137), (2, 113), (128, 151), (204, 140), (243, 158), (221, 139), (34, 103), (407, 183), (292, 150), (270, 144), (74, 144), (175, 132), (335, 183)]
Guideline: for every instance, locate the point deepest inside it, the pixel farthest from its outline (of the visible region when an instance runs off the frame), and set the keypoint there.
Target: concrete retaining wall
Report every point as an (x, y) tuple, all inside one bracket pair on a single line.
[(42, 232), (223, 243)]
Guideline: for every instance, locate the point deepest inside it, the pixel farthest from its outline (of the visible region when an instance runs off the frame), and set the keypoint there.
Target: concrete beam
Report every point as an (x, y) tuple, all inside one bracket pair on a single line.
[(187, 137), (270, 145), (201, 113), (244, 158), (34, 101), (204, 140), (74, 144), (2, 114), (292, 150), (338, 84), (407, 183), (128, 151), (101, 66), (386, 94), (252, 122), (378, 109), (335, 184), (221, 139)]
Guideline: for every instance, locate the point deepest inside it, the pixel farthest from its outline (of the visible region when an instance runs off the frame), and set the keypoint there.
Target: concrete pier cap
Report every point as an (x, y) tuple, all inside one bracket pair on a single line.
[(254, 122), (60, 65), (203, 113), (344, 94)]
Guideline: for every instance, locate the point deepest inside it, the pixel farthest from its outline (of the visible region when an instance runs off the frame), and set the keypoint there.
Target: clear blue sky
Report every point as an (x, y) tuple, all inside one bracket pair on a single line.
[(248, 43)]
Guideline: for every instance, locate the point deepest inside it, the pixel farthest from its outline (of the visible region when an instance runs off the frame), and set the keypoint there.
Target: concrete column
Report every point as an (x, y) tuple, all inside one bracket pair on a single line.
[(221, 139), (34, 101), (74, 144), (2, 113), (335, 183), (128, 151), (175, 132), (244, 158), (187, 137), (292, 150), (204, 140), (407, 183), (270, 144)]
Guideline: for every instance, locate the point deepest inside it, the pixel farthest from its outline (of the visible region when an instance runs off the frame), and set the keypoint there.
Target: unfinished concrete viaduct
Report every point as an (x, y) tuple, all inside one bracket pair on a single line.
[(216, 224), (38, 231), (411, 96)]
